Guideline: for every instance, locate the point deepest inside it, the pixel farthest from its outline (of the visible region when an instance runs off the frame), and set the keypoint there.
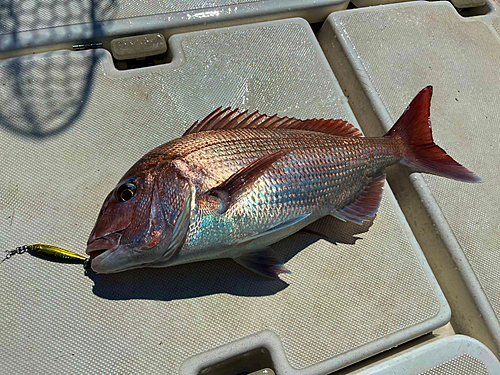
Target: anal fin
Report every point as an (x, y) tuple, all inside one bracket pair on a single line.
[(263, 262), (366, 205)]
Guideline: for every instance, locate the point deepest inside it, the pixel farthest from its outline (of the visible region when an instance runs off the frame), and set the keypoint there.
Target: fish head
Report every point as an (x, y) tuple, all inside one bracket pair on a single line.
[(136, 226)]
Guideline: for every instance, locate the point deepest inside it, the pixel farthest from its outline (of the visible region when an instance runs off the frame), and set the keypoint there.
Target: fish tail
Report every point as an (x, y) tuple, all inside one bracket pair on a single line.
[(419, 150)]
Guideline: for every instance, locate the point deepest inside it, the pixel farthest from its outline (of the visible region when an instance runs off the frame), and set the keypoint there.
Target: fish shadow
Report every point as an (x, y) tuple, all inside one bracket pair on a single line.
[(221, 275)]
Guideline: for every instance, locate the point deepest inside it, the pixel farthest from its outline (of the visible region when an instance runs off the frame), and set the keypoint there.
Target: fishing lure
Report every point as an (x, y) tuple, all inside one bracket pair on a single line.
[(52, 253)]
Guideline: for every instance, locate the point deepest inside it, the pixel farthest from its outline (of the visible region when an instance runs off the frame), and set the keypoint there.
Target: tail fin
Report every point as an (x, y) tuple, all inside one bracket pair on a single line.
[(419, 150)]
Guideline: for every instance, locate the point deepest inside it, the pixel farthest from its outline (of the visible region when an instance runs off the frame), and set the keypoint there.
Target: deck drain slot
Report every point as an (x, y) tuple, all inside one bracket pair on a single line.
[(256, 361)]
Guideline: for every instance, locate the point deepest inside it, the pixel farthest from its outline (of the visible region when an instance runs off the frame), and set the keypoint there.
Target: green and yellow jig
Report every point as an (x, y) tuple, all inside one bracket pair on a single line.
[(52, 253)]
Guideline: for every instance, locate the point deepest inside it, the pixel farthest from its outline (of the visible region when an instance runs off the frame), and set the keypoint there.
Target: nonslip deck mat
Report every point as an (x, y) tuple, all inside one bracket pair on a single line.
[(33, 26), (453, 355), (402, 48), (22, 15), (462, 364), (459, 4), (29, 15), (71, 125)]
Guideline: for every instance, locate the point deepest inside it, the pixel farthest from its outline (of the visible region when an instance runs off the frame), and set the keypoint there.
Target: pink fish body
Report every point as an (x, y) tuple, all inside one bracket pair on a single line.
[(236, 183)]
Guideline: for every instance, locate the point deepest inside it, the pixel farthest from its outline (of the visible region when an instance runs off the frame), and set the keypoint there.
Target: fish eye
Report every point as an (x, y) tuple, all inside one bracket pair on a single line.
[(126, 191)]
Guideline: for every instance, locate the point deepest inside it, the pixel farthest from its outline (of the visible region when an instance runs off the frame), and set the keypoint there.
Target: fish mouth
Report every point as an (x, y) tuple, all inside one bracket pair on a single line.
[(95, 253), (99, 246), (107, 255)]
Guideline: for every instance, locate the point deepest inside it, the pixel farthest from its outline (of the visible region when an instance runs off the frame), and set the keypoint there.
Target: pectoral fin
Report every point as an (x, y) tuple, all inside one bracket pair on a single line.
[(227, 191), (286, 226), (263, 262)]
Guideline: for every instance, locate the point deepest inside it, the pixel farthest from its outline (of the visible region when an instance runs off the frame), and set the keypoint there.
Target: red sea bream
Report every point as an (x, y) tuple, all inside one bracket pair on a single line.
[(236, 183)]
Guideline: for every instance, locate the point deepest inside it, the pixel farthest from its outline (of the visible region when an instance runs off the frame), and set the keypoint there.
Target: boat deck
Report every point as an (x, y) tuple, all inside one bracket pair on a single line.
[(415, 292)]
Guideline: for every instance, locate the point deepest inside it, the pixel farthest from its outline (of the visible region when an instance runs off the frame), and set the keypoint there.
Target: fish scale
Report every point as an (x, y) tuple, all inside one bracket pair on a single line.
[(342, 167)]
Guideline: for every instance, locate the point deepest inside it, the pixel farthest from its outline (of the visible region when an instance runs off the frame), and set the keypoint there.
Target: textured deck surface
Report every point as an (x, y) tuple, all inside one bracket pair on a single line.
[(26, 15), (34, 15), (453, 355)]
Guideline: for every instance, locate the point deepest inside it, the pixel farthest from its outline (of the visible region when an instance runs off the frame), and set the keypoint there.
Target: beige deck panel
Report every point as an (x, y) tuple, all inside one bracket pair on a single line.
[(396, 51), (71, 125), (33, 26), (369, 3), (457, 3), (25, 15), (453, 355)]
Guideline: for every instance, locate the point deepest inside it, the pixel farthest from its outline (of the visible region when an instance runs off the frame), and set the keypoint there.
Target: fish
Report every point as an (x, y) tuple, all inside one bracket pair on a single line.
[(237, 182)]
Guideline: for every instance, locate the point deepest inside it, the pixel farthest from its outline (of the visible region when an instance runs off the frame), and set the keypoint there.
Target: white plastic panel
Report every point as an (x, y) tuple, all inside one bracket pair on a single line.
[(27, 24), (25, 15), (453, 355), (369, 3), (396, 51), (457, 3), (71, 125)]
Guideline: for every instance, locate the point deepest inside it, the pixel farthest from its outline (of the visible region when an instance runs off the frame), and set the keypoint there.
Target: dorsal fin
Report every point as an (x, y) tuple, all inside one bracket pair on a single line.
[(233, 119)]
